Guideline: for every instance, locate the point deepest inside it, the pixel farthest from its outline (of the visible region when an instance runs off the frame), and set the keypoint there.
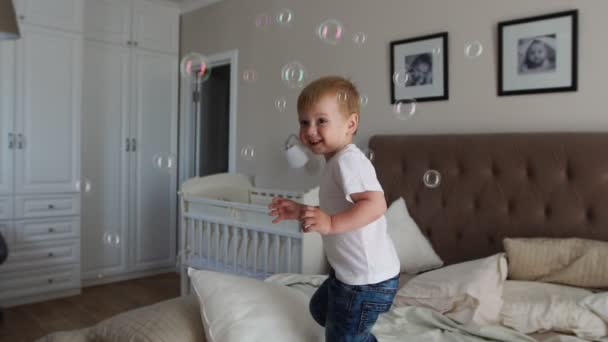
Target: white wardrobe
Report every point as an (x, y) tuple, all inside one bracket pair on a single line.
[(88, 99), (129, 117), (40, 108)]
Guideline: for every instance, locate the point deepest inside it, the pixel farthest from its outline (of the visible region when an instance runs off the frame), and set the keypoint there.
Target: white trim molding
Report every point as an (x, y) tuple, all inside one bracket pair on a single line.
[(185, 137), (192, 5)]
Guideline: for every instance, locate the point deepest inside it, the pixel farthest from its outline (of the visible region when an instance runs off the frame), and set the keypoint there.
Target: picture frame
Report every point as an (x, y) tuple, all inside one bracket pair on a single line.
[(419, 69), (538, 54)]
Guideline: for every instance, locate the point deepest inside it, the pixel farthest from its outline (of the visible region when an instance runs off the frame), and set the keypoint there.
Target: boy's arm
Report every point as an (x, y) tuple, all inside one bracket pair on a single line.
[(368, 207)]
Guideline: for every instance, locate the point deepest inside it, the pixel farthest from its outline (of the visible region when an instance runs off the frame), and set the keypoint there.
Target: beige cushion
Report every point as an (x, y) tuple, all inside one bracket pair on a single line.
[(573, 261), (174, 320), (537, 307), (465, 292)]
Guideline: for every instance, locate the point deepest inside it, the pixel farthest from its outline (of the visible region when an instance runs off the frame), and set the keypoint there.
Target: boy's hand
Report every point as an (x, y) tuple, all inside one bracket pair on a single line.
[(315, 220), (284, 209)]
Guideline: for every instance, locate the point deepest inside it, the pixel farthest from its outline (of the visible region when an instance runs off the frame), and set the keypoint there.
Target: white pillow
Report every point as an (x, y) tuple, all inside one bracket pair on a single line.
[(598, 303), (537, 307), (465, 292), (240, 309), (415, 252)]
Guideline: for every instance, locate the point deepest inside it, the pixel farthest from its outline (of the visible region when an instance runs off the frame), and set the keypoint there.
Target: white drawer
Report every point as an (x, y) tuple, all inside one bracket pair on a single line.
[(46, 230), (42, 254), (6, 208), (47, 205), (8, 233), (19, 284)]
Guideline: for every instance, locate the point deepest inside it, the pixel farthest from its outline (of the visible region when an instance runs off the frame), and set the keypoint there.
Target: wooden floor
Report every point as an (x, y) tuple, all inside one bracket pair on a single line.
[(32, 321)]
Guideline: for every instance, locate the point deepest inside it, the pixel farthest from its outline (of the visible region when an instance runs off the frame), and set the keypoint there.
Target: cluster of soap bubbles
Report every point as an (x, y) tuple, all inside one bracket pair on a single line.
[(293, 74)]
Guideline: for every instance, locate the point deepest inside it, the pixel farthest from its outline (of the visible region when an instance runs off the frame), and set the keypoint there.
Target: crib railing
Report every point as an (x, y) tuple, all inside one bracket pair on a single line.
[(227, 228), (227, 246)]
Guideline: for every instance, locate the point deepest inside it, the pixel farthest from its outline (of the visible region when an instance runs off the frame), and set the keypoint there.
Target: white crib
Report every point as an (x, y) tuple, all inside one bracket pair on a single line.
[(225, 227)]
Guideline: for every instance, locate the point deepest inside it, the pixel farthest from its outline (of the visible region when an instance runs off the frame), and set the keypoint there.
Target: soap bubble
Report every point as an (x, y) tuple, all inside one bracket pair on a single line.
[(293, 74), (359, 38), (473, 49), (363, 100), (164, 161), (431, 178), (369, 153), (111, 239), (84, 186), (250, 75), (284, 17), (330, 31), (194, 65), (401, 77), (404, 109), (263, 21), (281, 104), (248, 152)]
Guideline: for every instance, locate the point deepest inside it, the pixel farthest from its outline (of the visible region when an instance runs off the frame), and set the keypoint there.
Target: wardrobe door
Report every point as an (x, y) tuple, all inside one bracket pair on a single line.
[(154, 189), (48, 106), (105, 121), (7, 115)]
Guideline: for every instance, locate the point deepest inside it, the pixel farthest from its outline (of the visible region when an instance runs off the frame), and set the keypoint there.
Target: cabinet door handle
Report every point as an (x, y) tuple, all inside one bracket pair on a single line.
[(51, 230), (50, 280), (129, 43), (133, 144), (51, 254), (20, 141), (135, 43), (51, 206), (128, 145), (11, 140)]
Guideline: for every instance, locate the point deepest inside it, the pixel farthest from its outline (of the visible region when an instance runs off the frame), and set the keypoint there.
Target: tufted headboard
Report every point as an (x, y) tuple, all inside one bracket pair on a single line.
[(498, 185)]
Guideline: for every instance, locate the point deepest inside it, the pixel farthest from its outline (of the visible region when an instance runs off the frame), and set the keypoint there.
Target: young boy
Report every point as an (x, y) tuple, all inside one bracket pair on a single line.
[(365, 268)]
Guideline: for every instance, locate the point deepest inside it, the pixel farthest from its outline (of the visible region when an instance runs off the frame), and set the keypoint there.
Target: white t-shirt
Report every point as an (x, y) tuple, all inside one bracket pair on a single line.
[(365, 255)]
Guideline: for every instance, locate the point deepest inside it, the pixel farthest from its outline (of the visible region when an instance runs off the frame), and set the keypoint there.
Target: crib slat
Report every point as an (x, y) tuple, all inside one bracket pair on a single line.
[(255, 252), (277, 247), (245, 244), (265, 254), (208, 240), (235, 243), (225, 247), (216, 242), (288, 255), (199, 238)]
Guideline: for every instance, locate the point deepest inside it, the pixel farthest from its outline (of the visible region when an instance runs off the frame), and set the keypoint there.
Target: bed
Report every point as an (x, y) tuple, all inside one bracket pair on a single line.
[(487, 187)]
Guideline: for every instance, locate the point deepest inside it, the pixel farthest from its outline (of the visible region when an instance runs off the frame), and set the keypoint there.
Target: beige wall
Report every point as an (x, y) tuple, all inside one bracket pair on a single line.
[(473, 105)]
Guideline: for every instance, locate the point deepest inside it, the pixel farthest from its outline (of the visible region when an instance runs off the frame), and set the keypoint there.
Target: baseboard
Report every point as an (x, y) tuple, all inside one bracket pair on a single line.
[(40, 298), (125, 276)]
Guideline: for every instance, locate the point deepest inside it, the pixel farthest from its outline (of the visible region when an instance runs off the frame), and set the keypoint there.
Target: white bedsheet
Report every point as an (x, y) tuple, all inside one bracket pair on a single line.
[(409, 323)]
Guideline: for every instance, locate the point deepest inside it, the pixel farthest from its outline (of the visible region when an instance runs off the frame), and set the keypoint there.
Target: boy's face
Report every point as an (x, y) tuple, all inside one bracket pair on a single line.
[(324, 129)]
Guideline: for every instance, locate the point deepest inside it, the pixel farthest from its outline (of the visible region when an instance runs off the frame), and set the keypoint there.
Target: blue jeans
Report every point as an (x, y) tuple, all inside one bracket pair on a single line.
[(348, 312)]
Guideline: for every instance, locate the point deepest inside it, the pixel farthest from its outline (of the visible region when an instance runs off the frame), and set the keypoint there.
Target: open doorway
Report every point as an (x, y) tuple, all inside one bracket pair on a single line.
[(208, 120)]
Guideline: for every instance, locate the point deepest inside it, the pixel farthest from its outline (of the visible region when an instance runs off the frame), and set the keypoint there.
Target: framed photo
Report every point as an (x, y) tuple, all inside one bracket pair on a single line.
[(419, 68), (538, 54)]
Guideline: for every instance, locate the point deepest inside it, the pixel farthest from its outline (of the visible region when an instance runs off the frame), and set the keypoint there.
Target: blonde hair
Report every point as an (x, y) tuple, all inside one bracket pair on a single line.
[(347, 92)]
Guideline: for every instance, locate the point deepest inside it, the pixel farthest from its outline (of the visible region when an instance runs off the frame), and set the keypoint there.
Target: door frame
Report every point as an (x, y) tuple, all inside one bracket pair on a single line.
[(186, 142)]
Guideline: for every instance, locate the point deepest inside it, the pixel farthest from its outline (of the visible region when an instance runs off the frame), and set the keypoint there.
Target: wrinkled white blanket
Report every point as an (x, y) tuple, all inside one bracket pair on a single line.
[(410, 323)]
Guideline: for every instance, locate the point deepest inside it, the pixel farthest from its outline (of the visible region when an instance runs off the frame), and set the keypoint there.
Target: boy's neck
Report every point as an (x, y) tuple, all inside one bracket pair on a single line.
[(330, 155)]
